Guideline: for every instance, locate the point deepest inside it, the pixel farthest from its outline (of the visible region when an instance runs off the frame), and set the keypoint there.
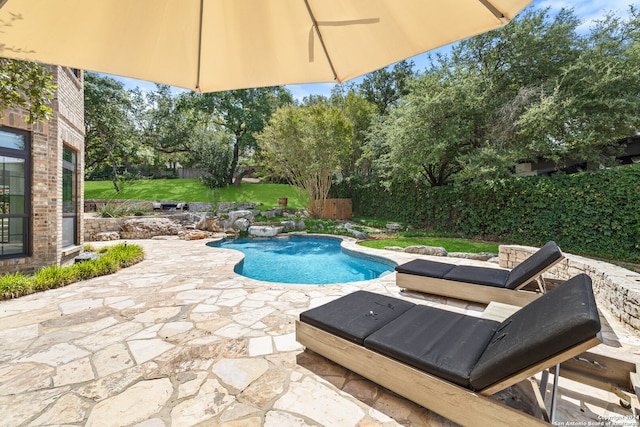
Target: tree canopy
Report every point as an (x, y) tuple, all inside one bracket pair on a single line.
[(306, 145), (27, 85), (533, 90)]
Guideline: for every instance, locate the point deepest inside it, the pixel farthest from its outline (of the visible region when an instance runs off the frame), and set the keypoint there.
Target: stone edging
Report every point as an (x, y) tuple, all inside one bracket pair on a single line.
[(616, 288)]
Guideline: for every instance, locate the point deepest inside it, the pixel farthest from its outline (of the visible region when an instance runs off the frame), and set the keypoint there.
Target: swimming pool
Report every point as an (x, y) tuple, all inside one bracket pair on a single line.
[(303, 260)]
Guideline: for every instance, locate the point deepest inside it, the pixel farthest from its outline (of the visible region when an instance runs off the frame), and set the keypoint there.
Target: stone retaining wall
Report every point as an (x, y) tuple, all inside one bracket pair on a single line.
[(616, 288), (93, 226)]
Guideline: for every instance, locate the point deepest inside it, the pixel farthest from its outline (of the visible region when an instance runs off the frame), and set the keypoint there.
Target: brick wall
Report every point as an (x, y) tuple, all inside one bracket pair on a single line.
[(47, 141)]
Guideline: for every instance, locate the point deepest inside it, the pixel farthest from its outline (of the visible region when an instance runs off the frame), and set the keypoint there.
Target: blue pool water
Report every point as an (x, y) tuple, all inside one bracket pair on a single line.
[(301, 260)]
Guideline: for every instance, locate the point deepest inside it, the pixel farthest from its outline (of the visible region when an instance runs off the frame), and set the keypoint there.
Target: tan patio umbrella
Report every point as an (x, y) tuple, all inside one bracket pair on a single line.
[(212, 45)]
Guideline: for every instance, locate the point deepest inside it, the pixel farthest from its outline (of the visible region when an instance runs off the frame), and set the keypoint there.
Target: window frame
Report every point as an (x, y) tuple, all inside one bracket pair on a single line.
[(73, 167), (27, 216)]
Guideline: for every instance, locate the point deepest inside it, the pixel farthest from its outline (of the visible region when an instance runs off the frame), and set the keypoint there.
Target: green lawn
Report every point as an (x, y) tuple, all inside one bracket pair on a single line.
[(192, 190), (451, 245)]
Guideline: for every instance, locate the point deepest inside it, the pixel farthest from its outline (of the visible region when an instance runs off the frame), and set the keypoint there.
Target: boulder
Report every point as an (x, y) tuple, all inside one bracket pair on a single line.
[(392, 226), (241, 224), (359, 234), (288, 225), (426, 250), (235, 215), (264, 231)]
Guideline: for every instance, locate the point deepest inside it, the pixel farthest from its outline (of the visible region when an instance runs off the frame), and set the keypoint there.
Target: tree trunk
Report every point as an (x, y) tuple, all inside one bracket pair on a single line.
[(234, 161), (247, 170), (114, 169)]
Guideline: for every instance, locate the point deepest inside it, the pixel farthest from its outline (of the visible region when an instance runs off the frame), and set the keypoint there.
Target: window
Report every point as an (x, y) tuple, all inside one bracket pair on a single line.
[(69, 197), (15, 192)]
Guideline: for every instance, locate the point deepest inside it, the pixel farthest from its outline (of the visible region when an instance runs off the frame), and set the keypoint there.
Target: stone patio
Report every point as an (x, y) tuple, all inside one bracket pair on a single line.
[(181, 340)]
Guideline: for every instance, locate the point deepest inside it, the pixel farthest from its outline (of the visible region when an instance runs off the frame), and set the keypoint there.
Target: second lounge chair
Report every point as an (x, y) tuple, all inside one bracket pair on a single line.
[(480, 284)]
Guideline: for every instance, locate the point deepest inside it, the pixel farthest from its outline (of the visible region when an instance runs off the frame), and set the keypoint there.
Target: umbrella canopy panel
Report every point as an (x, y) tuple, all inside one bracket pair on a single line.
[(212, 45)]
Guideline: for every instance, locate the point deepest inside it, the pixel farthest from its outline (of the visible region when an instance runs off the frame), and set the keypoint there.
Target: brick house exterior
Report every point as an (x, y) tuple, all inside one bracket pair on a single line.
[(41, 176)]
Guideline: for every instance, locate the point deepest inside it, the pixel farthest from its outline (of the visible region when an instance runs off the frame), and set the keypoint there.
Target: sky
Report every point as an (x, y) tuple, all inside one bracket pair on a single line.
[(587, 11)]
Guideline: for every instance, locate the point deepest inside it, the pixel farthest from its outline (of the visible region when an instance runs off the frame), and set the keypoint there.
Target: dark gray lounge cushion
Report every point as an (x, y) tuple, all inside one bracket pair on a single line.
[(443, 343), (423, 267), (357, 315), (479, 275), (557, 321), (538, 261), (527, 270)]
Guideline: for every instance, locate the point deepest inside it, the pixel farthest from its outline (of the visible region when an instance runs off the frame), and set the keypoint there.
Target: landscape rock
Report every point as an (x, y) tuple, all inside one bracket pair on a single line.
[(288, 225), (426, 250), (359, 234), (106, 236), (481, 256), (392, 226), (146, 228), (264, 231), (241, 224), (235, 215), (394, 248)]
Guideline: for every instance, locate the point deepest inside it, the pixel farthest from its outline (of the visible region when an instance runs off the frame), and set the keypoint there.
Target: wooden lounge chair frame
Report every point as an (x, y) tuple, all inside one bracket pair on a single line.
[(365, 332), (475, 292), (431, 392)]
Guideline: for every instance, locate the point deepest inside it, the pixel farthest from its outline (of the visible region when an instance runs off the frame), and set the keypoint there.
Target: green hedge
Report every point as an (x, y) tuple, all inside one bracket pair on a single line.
[(594, 213)]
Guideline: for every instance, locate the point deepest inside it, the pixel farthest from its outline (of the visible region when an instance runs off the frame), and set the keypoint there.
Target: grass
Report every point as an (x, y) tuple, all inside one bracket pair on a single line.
[(451, 245), (192, 190), (113, 259)]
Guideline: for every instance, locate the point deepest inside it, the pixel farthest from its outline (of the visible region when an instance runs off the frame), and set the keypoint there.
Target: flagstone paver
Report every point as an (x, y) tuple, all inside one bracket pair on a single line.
[(181, 340)]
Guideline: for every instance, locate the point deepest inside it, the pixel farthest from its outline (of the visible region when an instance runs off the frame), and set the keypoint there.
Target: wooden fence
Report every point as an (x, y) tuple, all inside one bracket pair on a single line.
[(337, 209)]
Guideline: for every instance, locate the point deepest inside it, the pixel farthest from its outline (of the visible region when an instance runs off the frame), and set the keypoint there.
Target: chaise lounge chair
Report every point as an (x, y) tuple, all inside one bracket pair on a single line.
[(480, 284), (446, 361)]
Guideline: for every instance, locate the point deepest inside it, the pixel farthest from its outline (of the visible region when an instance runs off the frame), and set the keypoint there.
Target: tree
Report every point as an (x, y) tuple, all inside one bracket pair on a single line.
[(109, 124), (510, 67), (360, 113), (384, 87), (305, 145), (243, 113), (26, 85), (532, 90), (423, 138), (595, 101), (169, 123), (212, 152)]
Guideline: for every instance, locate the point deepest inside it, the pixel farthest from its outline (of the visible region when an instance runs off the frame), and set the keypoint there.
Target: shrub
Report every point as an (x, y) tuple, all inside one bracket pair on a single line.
[(125, 255), (85, 270), (119, 210), (109, 211), (14, 285), (52, 277), (592, 213), (113, 258)]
